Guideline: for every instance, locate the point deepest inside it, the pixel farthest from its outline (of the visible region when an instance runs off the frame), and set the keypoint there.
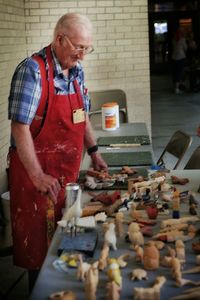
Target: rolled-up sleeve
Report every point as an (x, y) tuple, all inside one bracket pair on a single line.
[(25, 92)]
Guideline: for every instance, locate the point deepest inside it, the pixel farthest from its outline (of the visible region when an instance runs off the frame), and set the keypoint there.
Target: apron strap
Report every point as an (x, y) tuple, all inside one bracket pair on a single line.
[(39, 118)]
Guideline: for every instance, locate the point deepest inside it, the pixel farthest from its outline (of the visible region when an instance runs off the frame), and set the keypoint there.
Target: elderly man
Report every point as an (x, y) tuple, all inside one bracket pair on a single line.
[(48, 105)]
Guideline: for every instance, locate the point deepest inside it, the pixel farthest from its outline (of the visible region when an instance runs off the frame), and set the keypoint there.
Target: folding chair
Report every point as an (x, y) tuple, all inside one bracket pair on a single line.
[(175, 149), (98, 98), (194, 161)]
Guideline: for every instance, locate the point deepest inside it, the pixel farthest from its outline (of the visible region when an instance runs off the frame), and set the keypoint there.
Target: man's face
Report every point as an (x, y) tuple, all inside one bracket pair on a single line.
[(70, 49)]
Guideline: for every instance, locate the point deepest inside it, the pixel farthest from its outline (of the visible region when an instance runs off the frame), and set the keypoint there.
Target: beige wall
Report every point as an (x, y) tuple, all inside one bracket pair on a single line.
[(12, 50), (120, 60)]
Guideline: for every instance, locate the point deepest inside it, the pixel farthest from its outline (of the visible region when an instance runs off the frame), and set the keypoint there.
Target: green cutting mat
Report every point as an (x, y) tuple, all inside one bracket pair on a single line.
[(121, 185), (128, 158), (140, 139)]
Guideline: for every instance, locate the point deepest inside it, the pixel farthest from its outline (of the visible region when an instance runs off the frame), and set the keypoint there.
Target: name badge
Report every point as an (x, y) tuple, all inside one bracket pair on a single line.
[(78, 115)]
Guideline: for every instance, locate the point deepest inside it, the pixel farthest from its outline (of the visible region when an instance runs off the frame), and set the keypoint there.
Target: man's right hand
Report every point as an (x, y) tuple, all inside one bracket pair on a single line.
[(47, 185)]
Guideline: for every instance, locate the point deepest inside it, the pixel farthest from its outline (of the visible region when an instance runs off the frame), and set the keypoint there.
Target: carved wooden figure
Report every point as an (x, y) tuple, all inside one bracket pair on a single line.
[(176, 269), (151, 293), (139, 252), (139, 274), (91, 281), (104, 256), (82, 268), (63, 295), (135, 235), (121, 260), (180, 250), (110, 236), (113, 271), (113, 291), (73, 213), (151, 256), (192, 293), (119, 227), (134, 213)]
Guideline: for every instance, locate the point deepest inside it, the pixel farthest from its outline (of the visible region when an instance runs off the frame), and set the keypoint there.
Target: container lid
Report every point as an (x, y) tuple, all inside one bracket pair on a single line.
[(109, 104), (72, 186)]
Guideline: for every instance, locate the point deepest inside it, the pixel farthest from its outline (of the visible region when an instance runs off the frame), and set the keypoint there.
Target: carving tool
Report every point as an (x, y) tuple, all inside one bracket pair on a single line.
[(124, 145)]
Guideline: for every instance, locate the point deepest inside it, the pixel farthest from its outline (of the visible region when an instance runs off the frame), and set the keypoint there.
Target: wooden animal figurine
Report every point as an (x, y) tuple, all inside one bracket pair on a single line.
[(110, 236), (73, 213), (176, 269), (166, 261), (151, 256), (159, 244), (179, 180), (170, 222), (103, 256), (139, 252), (171, 251), (134, 213), (119, 227), (113, 271), (127, 170), (180, 250), (151, 293), (91, 282), (121, 260), (188, 294), (138, 274), (82, 268), (63, 295), (135, 235), (113, 291), (192, 270)]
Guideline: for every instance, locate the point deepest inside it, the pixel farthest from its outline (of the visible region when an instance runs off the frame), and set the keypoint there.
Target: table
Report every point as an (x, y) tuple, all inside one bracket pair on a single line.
[(51, 280), (143, 154)]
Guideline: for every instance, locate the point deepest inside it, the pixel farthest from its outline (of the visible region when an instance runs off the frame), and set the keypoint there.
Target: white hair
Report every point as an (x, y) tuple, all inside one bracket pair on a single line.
[(71, 21)]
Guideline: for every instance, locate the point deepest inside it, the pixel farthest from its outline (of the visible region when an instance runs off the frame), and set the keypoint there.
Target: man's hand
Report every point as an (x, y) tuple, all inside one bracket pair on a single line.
[(98, 162), (46, 184)]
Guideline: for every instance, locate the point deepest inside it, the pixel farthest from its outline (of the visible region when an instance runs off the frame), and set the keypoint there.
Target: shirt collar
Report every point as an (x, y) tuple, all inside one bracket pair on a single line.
[(73, 73)]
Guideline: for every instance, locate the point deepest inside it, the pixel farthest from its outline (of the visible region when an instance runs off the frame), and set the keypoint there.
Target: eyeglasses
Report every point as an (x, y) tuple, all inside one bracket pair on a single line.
[(79, 49)]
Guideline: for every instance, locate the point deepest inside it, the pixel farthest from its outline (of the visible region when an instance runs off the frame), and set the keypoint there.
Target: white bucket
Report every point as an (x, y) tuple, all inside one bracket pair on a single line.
[(110, 116), (5, 200)]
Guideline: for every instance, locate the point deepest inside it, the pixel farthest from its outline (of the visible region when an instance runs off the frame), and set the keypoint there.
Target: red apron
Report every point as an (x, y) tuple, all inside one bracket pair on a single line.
[(59, 147)]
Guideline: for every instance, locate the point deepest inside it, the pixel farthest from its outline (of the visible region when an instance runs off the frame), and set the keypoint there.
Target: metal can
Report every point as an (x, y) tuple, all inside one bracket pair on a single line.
[(71, 191)]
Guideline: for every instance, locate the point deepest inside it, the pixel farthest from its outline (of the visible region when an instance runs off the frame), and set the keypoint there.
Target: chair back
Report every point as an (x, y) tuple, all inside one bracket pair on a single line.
[(194, 161), (98, 98), (176, 147)]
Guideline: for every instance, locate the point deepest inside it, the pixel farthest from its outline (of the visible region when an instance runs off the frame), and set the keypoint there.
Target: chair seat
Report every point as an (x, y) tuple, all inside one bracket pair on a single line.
[(176, 147), (194, 161)]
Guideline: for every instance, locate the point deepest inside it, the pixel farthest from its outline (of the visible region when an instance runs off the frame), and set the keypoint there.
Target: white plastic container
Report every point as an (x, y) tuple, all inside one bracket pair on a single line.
[(110, 116), (5, 200)]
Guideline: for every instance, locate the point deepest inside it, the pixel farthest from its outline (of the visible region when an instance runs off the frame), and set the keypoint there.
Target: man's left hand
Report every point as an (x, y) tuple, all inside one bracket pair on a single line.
[(98, 162)]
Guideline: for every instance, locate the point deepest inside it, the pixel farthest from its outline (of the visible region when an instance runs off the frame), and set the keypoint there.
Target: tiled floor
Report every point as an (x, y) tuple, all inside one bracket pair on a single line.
[(170, 112)]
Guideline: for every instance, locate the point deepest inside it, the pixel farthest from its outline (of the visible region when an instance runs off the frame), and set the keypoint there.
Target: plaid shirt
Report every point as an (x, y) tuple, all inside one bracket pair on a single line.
[(25, 89)]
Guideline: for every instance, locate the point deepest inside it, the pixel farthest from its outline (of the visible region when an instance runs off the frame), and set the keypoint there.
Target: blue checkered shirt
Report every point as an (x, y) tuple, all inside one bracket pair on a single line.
[(25, 89)]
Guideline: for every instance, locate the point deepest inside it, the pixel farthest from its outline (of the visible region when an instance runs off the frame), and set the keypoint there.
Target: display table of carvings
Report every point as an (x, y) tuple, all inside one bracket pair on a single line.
[(132, 248)]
